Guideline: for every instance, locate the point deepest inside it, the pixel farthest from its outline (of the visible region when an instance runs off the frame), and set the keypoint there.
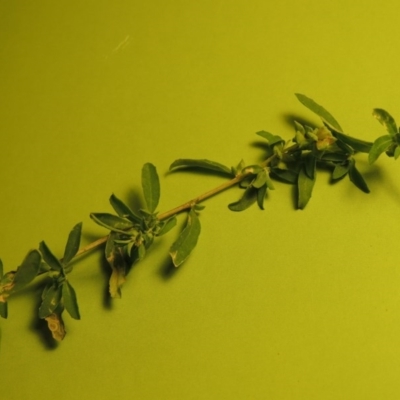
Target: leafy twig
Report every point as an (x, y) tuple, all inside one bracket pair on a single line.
[(131, 233)]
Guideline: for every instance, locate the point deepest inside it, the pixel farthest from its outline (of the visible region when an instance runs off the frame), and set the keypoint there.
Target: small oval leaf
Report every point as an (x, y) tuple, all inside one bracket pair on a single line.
[(248, 199), (150, 186), (187, 240), (380, 146), (202, 164), (305, 186), (122, 209), (112, 222), (357, 178), (49, 257), (73, 243), (70, 300), (28, 270)]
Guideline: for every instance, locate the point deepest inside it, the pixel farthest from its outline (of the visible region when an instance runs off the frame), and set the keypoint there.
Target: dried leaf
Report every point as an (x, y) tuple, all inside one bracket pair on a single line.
[(116, 260), (56, 326), (386, 120)]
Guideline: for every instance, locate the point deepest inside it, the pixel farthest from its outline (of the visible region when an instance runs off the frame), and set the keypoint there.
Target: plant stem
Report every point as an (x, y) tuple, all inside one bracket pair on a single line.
[(189, 204)]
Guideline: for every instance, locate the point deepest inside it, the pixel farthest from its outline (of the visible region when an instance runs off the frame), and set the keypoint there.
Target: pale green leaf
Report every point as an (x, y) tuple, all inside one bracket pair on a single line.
[(113, 222), (166, 226), (51, 299), (122, 209), (386, 120), (150, 186), (357, 178), (319, 110), (380, 145), (270, 138), (260, 179), (53, 262), (73, 243), (340, 171), (69, 300), (248, 199), (305, 186), (350, 144), (202, 164), (187, 240), (397, 152), (28, 270)]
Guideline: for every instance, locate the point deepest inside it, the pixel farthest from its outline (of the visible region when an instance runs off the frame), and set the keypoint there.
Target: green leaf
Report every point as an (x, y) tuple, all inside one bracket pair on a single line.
[(166, 226), (3, 309), (271, 139), (73, 243), (340, 171), (285, 175), (355, 144), (386, 120), (397, 152), (203, 164), (1, 268), (248, 199), (115, 257), (238, 169), (319, 110), (141, 251), (305, 186), (122, 209), (260, 179), (356, 177), (261, 193), (70, 300), (51, 299), (334, 157), (113, 222), (53, 262), (310, 165), (28, 270), (151, 186), (187, 240), (380, 145)]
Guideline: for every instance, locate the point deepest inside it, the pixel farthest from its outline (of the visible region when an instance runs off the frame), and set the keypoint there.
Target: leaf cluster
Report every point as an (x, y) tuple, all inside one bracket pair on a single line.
[(132, 233)]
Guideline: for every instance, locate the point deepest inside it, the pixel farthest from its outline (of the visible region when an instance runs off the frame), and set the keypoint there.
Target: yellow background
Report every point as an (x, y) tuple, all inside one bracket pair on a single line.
[(276, 304)]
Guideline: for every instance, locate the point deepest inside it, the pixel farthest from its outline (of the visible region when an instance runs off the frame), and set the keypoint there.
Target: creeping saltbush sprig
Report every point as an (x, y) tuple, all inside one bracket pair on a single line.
[(131, 233)]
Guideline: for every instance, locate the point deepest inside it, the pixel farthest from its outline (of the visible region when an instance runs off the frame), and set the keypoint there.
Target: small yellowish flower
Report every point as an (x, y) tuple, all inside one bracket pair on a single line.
[(324, 138)]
